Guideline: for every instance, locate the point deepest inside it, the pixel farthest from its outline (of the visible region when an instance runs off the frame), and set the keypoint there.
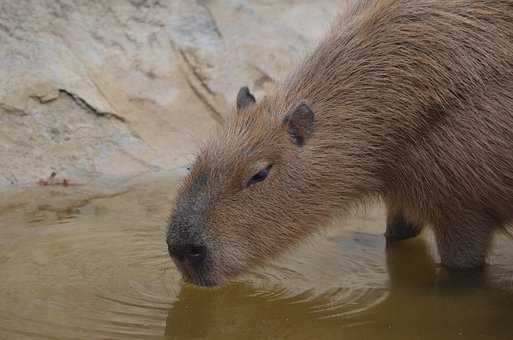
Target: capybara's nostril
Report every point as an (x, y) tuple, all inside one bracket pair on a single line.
[(192, 253), (195, 254)]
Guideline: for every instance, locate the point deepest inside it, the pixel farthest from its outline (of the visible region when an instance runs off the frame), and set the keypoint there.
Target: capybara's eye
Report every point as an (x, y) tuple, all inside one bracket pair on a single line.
[(260, 176)]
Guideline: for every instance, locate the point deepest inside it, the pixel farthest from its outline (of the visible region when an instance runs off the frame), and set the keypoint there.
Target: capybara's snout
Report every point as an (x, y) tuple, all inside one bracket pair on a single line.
[(188, 253), (185, 243), (191, 253)]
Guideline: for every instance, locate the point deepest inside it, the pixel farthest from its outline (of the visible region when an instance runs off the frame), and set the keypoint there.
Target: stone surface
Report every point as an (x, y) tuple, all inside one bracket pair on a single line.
[(126, 87)]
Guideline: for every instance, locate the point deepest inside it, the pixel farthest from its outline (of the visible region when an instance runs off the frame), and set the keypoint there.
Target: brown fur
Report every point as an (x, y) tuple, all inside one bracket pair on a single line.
[(413, 103)]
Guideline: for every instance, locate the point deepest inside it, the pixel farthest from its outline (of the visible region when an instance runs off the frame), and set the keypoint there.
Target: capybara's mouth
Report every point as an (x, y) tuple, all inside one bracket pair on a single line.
[(195, 276), (199, 280)]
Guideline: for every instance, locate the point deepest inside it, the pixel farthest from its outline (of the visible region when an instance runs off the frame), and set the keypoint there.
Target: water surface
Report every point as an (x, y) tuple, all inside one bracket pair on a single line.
[(89, 262)]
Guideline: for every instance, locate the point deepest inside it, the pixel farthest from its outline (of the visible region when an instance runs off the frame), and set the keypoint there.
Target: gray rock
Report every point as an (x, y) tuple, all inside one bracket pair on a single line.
[(121, 88)]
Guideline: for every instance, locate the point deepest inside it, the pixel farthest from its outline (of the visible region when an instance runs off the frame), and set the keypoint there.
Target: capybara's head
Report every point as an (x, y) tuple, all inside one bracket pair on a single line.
[(251, 192)]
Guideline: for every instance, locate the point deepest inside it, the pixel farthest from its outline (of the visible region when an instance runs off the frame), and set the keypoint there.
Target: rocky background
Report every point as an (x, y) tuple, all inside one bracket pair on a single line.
[(122, 88)]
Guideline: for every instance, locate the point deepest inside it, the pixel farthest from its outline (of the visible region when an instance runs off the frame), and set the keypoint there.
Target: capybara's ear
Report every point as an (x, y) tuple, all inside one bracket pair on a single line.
[(300, 123), (244, 98)]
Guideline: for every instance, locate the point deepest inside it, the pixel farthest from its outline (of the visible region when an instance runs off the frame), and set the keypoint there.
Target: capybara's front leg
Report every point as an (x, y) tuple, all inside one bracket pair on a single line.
[(399, 228), (464, 245)]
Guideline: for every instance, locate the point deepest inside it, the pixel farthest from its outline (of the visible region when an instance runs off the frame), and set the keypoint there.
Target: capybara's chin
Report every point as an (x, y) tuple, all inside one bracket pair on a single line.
[(205, 276), (201, 278), (211, 276)]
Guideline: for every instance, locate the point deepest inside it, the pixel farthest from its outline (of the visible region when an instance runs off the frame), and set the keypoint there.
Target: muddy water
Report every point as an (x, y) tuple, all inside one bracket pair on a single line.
[(89, 262)]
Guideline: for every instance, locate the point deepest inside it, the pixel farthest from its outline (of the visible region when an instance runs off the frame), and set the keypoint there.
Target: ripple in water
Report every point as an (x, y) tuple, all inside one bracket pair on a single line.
[(336, 277), (96, 271)]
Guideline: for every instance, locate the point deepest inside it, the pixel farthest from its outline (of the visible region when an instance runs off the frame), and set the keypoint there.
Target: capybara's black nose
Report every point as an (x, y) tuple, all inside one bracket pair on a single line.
[(191, 253)]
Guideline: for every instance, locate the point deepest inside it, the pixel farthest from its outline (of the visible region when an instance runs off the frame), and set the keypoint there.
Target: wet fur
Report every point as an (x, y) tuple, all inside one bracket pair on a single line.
[(413, 103)]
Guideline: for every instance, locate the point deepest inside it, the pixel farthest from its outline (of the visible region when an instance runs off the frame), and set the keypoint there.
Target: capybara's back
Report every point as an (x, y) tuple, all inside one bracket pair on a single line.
[(409, 101)]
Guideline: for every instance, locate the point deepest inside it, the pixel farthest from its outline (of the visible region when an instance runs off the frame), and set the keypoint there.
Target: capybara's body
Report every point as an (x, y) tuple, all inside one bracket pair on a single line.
[(409, 101)]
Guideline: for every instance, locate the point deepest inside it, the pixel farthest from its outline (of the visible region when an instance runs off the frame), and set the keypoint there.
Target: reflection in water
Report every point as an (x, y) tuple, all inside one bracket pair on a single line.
[(312, 293), (76, 268), (424, 302)]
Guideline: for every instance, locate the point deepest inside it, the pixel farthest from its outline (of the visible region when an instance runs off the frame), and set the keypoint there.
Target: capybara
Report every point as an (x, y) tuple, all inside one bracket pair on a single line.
[(407, 101)]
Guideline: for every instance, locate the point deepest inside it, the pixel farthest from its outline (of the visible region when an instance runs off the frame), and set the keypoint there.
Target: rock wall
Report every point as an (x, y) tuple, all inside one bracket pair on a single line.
[(126, 87)]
